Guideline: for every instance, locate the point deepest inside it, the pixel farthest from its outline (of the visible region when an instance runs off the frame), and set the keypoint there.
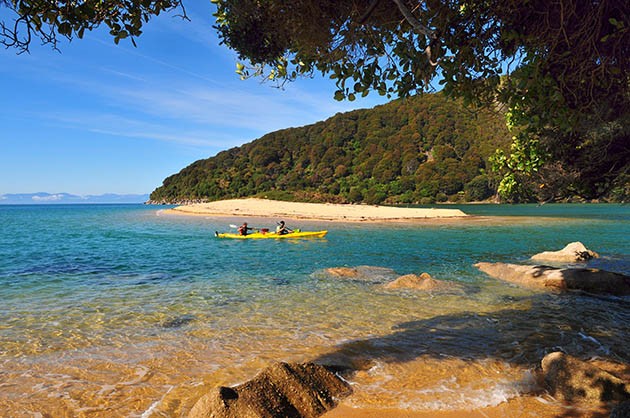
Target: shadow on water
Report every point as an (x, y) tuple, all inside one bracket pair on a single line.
[(580, 325)]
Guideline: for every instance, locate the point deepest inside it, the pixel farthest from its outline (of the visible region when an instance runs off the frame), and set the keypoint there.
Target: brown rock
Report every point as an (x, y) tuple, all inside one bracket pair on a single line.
[(422, 282), (551, 278), (572, 253), (366, 273), (282, 390), (343, 271), (576, 381)]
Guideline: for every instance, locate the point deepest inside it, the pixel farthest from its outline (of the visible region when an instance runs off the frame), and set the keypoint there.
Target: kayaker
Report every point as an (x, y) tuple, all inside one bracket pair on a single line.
[(281, 229), (244, 228)]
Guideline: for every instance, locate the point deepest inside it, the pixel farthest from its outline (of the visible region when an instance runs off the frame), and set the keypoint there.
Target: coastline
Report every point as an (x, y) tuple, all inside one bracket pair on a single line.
[(252, 207)]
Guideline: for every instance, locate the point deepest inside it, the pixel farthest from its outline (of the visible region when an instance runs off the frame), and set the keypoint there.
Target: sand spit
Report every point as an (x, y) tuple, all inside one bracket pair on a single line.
[(315, 211)]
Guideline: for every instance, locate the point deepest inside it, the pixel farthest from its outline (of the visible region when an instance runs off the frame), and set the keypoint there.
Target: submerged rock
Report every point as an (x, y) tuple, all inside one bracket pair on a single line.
[(422, 282), (366, 273), (559, 279), (295, 390), (343, 271), (572, 253), (178, 321), (576, 381)]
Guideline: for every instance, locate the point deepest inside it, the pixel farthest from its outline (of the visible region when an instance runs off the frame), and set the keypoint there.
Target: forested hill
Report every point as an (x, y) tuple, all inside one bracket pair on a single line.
[(417, 150)]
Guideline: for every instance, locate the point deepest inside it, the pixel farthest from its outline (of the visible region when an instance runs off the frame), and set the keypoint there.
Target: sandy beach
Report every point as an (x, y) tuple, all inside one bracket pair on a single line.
[(314, 211)]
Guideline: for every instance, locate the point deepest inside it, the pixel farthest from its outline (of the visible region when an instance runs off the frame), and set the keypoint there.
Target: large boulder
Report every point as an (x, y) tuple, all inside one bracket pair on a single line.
[(576, 381), (573, 253), (422, 282), (559, 279), (294, 390)]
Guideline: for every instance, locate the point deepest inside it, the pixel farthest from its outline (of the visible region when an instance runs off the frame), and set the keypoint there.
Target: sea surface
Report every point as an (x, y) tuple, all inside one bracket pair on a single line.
[(127, 311)]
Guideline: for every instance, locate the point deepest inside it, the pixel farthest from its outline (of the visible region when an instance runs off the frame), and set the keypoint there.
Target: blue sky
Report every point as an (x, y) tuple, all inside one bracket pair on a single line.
[(99, 117)]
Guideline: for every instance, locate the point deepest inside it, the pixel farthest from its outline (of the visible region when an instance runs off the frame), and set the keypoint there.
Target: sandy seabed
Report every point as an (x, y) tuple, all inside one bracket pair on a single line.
[(314, 211), (526, 405)]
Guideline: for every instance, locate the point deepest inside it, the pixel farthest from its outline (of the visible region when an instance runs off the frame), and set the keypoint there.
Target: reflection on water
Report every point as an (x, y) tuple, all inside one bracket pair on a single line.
[(147, 313)]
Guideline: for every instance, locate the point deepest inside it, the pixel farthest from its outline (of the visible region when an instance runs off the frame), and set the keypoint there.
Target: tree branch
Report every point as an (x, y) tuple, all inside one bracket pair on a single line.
[(419, 27), (368, 12), (415, 23)]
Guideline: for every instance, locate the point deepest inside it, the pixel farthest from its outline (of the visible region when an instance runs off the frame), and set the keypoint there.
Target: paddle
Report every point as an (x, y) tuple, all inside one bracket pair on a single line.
[(253, 229), (236, 226)]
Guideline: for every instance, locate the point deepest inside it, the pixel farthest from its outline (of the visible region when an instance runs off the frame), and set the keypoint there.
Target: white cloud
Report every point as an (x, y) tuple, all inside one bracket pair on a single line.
[(184, 138), (137, 93), (261, 109), (127, 127), (50, 198), (193, 114)]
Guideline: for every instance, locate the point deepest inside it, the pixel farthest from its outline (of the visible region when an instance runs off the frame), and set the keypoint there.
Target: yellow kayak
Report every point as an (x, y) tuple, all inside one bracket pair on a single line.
[(272, 235)]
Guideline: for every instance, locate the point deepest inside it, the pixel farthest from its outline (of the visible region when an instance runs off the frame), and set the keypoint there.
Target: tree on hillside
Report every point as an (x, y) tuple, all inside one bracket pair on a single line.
[(374, 155)]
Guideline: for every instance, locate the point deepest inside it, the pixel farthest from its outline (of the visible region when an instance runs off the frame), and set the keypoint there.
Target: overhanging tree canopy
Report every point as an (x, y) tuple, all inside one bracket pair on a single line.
[(570, 51), (46, 20)]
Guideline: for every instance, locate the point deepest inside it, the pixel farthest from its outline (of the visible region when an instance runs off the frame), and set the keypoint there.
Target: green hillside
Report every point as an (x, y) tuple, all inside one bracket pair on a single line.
[(417, 150)]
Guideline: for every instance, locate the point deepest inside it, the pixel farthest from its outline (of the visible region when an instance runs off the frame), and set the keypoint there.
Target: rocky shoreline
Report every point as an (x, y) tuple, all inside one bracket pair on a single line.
[(310, 390)]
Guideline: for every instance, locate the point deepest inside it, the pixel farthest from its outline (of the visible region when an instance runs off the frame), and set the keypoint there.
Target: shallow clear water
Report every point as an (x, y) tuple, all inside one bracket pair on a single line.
[(122, 310)]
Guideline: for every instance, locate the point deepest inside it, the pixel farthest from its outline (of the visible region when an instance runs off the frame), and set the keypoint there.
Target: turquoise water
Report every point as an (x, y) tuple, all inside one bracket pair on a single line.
[(131, 286)]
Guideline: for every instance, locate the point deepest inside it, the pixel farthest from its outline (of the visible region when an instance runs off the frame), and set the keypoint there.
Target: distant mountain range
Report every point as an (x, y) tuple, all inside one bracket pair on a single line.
[(65, 198)]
